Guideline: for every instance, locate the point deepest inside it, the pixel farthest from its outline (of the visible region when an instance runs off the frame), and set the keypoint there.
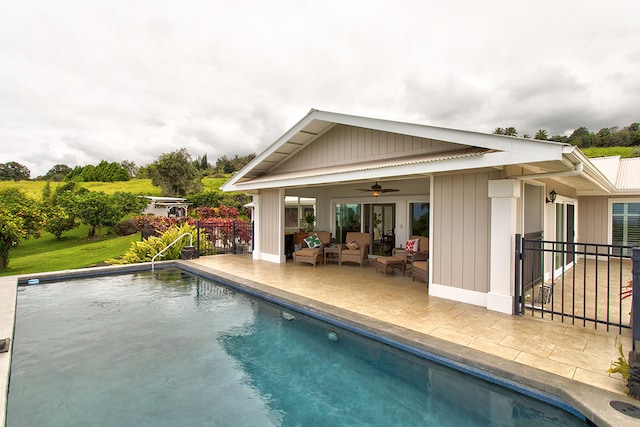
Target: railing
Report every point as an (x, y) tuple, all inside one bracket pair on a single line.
[(153, 260), (576, 282), (233, 237)]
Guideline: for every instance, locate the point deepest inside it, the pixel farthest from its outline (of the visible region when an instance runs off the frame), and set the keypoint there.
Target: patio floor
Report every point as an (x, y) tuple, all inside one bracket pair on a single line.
[(570, 351)]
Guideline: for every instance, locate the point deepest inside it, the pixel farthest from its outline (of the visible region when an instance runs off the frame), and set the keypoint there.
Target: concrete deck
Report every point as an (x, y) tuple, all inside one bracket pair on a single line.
[(568, 361)]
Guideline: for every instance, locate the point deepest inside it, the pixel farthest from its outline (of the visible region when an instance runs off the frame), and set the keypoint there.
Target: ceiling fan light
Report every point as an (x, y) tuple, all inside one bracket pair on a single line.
[(375, 193)]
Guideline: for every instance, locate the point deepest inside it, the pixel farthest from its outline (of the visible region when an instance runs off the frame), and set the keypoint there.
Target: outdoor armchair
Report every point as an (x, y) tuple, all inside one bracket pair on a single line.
[(421, 271), (409, 256), (312, 255), (358, 255)]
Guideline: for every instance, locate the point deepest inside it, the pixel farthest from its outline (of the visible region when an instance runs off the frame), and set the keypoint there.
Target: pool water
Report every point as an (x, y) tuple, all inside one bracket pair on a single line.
[(178, 350)]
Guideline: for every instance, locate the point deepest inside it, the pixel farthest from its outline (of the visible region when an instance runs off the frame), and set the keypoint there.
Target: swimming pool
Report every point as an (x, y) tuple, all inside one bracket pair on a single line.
[(181, 350)]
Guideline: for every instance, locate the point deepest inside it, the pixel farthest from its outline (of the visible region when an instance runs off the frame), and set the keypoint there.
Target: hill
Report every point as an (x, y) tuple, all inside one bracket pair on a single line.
[(144, 187)]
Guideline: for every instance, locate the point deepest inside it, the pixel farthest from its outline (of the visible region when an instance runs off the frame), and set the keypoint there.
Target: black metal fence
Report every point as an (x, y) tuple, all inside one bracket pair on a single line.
[(231, 237), (577, 282)]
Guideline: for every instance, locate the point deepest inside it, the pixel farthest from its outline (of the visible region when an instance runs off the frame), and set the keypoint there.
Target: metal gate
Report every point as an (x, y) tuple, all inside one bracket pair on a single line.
[(231, 237), (577, 282)]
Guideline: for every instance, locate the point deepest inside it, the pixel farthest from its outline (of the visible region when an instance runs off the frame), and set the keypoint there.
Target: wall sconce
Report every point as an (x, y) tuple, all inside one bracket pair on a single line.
[(552, 196)]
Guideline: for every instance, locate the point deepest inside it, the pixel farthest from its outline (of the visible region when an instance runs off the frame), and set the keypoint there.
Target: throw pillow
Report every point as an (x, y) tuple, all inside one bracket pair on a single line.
[(313, 241), (352, 245), (412, 245)]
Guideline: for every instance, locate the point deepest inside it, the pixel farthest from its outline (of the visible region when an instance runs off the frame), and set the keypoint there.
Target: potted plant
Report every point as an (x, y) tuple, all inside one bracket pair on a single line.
[(309, 219)]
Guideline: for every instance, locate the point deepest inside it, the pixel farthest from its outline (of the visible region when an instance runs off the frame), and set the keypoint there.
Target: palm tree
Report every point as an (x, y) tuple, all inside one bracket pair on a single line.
[(542, 134)]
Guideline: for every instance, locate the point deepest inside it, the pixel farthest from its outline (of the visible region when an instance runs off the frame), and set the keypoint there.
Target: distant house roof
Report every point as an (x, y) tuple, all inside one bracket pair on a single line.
[(623, 173), (165, 199)]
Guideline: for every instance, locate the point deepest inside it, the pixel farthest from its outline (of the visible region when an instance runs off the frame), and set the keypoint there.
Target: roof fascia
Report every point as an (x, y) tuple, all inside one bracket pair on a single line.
[(269, 150), (490, 160), (590, 171)]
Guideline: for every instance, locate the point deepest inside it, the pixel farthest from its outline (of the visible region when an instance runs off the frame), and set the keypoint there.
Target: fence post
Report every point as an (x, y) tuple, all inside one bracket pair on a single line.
[(234, 249), (634, 355), (635, 300), (198, 236), (517, 300)]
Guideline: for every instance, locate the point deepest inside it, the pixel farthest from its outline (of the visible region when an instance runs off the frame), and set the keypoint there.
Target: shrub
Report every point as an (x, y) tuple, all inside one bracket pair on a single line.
[(145, 250), (126, 227)]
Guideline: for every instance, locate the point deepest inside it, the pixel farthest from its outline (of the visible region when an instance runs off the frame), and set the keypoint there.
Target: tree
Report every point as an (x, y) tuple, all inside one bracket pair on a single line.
[(580, 137), (59, 220), (130, 167), (175, 173), (13, 171), (202, 162), (104, 172), (510, 131), (542, 135), (97, 209), (20, 218), (129, 203), (57, 173)]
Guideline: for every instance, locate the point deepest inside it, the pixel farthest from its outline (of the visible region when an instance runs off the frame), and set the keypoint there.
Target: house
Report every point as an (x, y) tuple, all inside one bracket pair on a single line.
[(469, 192), (174, 207)]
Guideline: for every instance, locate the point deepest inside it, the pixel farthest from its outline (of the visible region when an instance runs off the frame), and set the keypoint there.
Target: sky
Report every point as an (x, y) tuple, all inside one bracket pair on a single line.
[(85, 81)]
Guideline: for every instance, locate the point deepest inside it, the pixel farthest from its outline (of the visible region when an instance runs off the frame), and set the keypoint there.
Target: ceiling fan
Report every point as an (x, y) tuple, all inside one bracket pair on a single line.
[(377, 189)]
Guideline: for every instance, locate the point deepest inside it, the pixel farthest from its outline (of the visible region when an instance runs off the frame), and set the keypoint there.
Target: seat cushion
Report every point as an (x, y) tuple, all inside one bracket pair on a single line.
[(420, 265), (307, 252), (389, 260)]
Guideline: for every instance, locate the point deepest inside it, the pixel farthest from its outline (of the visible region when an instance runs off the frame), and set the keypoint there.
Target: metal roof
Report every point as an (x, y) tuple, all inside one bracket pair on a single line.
[(624, 174)]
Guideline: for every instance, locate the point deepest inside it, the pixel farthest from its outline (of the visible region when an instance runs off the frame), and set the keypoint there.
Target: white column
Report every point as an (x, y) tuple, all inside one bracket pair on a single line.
[(504, 194), (256, 227)]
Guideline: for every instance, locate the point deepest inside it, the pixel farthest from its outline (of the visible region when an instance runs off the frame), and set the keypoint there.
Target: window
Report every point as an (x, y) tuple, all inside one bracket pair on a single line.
[(348, 218), (625, 225), (295, 209), (419, 219)]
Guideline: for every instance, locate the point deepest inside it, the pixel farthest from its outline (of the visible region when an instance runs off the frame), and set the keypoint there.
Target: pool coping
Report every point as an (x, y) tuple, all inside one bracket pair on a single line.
[(590, 401)]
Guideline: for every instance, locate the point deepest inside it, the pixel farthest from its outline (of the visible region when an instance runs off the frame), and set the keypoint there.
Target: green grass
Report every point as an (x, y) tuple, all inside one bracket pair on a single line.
[(73, 250), (34, 189), (623, 152), (214, 184), (143, 187)]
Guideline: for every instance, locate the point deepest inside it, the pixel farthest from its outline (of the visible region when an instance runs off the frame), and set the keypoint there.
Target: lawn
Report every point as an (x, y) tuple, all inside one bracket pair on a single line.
[(143, 187), (73, 250), (623, 152)]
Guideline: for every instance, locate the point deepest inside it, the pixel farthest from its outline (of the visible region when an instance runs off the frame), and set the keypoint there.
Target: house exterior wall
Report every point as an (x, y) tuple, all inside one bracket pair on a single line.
[(593, 218), (348, 144), (271, 229), (461, 230)]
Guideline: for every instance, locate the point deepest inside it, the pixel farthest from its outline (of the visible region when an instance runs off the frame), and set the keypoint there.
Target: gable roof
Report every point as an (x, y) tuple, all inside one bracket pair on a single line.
[(459, 150)]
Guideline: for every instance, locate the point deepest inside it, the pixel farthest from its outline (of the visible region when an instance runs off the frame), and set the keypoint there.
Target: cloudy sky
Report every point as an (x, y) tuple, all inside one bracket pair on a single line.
[(84, 81)]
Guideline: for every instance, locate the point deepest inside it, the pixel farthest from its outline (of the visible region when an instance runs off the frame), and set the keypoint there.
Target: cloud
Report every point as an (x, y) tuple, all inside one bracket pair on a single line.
[(123, 80)]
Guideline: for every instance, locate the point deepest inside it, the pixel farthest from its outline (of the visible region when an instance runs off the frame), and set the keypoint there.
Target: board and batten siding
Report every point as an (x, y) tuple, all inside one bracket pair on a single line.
[(344, 145), (271, 221), (593, 218), (461, 230)]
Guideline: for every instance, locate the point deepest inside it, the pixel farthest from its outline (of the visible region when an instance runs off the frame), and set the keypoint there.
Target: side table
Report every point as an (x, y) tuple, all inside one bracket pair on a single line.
[(334, 251)]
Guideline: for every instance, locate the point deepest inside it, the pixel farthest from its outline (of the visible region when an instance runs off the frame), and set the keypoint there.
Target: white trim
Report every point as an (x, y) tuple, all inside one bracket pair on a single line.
[(457, 294), (276, 259)]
